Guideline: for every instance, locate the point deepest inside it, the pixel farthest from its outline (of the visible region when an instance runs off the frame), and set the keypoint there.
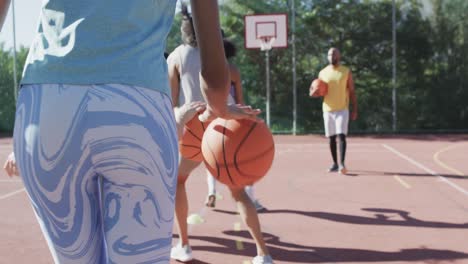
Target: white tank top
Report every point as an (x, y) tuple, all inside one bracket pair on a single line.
[(188, 59)]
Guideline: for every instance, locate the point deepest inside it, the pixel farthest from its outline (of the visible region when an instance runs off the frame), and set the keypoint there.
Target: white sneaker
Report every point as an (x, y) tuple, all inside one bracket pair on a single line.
[(258, 205), (182, 254), (343, 170), (262, 260)]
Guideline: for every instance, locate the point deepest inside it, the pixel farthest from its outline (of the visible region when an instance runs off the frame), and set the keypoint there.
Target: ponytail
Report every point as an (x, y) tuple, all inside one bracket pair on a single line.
[(186, 28)]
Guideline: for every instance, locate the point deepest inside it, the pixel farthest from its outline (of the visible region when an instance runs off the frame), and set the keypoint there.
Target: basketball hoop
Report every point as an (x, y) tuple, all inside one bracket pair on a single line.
[(266, 31), (266, 43)]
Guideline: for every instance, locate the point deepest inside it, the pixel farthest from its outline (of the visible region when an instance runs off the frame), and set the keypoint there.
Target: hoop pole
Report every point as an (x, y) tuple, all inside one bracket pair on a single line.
[(293, 42), (267, 65), (394, 71), (15, 81)]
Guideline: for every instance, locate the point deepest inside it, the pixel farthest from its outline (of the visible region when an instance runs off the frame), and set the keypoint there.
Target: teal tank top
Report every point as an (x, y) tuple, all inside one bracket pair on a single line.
[(101, 41)]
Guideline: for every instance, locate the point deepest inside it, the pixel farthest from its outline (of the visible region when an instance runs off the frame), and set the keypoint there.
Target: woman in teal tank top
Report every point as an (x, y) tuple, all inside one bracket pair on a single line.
[(95, 137)]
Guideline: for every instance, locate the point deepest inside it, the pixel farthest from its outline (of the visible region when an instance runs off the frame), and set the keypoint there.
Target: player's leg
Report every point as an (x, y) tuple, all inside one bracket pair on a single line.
[(211, 197), (134, 148), (333, 151), (52, 153), (249, 216), (330, 132), (342, 148), (182, 250), (249, 189), (342, 121)]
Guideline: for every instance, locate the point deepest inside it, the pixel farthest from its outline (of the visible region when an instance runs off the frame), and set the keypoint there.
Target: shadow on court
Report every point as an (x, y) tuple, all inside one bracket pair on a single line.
[(195, 261), (284, 251), (382, 217), (462, 136), (389, 173)]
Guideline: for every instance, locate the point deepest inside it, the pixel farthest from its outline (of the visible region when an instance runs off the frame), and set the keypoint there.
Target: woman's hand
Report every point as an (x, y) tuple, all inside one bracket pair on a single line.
[(233, 111), (186, 112), (10, 165)]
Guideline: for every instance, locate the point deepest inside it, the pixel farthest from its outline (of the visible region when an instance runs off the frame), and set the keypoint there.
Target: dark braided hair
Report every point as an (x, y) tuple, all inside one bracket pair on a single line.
[(229, 48), (186, 28)]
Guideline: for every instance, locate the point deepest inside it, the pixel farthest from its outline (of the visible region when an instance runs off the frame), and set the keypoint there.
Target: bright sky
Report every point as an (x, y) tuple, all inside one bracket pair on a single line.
[(26, 17)]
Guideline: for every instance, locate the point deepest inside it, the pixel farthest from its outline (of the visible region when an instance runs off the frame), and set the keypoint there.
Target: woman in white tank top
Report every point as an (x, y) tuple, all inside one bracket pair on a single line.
[(184, 72)]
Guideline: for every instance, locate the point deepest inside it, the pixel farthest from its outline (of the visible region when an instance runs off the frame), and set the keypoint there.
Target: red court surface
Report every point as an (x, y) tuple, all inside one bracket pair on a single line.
[(405, 200)]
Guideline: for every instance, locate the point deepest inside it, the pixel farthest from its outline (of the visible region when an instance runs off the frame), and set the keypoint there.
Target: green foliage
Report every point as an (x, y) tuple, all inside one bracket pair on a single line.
[(448, 70), (432, 62), (174, 38), (7, 89)]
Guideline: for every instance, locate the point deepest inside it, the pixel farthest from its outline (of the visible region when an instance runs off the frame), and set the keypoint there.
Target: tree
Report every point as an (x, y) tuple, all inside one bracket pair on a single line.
[(7, 96), (448, 71), (432, 71)]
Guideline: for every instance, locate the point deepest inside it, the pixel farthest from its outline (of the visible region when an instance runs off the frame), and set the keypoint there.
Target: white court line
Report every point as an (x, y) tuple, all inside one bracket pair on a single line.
[(9, 181), (11, 194), (6, 146), (419, 165), (402, 182)]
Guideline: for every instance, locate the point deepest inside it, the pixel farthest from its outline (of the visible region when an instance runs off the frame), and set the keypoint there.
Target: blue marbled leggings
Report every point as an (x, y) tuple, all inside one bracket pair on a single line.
[(100, 167)]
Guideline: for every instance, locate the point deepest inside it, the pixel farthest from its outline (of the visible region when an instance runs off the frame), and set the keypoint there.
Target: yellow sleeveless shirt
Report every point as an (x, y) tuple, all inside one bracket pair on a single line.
[(337, 98)]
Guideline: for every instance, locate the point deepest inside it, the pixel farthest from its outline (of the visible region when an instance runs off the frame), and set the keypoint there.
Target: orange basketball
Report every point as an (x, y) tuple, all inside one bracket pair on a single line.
[(318, 88), (190, 143), (238, 152)]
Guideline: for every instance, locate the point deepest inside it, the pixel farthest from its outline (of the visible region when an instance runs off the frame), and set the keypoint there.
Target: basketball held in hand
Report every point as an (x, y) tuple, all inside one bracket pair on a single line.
[(318, 88), (238, 152), (190, 143)]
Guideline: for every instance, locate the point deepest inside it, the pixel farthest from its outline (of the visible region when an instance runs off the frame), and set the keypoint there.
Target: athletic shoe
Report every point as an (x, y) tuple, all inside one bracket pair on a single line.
[(181, 253), (343, 170), (258, 205), (262, 260), (333, 168), (211, 200)]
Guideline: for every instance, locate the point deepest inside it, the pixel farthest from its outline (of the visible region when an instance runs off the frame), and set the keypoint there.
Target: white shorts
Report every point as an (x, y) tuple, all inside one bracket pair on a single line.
[(336, 122)]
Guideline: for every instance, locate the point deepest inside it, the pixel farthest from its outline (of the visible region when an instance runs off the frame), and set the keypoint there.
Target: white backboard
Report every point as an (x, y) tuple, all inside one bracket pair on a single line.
[(263, 27)]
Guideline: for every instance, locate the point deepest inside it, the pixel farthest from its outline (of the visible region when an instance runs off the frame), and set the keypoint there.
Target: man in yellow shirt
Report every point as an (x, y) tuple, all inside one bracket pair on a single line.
[(336, 106)]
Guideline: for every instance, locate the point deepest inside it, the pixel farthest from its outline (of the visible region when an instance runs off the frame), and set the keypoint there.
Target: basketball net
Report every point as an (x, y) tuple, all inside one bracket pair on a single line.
[(266, 43)]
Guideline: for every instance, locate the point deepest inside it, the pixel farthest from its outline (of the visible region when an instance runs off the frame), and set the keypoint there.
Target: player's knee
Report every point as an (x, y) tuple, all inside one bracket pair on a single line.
[(181, 179), (237, 193), (342, 137)]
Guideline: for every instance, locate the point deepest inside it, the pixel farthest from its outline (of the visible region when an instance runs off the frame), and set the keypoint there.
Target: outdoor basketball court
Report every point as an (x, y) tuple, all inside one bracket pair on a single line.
[(404, 201)]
